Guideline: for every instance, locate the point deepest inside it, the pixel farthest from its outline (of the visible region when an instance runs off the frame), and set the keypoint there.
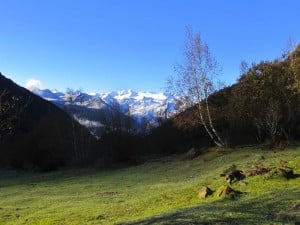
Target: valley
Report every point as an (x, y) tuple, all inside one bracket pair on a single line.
[(186, 112)]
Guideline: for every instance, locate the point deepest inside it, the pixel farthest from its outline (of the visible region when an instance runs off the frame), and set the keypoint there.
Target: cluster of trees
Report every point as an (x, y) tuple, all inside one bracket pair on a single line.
[(267, 96)]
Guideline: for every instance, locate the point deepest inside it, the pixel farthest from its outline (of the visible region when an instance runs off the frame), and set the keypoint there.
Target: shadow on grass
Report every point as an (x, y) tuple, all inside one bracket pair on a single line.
[(18, 177), (294, 176), (273, 208)]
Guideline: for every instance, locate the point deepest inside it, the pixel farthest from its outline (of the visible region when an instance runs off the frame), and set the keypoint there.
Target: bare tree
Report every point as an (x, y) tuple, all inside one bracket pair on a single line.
[(163, 114), (244, 67), (290, 46), (71, 96), (195, 81), (114, 116)]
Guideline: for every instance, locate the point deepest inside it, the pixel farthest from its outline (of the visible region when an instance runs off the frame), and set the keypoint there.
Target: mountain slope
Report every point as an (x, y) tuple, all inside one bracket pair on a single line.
[(43, 135)]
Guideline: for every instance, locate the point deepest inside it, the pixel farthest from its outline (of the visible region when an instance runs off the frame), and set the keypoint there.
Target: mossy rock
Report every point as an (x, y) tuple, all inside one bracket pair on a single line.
[(287, 172), (283, 172), (205, 192), (228, 192)]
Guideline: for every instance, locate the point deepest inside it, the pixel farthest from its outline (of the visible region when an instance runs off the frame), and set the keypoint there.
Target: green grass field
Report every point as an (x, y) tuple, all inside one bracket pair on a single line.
[(163, 191)]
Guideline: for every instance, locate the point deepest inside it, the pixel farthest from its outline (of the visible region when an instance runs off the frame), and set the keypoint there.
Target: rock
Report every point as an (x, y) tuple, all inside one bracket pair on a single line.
[(234, 175), (256, 171), (284, 172), (205, 192), (223, 191), (241, 183), (227, 191), (287, 172)]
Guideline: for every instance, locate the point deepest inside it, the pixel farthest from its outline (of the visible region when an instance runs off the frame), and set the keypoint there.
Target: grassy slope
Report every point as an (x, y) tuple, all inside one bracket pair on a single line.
[(161, 192)]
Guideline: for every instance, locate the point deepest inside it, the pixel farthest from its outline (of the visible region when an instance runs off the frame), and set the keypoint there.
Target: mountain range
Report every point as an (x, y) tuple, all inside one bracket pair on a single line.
[(141, 106)]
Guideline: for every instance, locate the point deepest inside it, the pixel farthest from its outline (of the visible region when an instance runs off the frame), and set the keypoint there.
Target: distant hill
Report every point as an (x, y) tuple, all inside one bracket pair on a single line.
[(41, 134)]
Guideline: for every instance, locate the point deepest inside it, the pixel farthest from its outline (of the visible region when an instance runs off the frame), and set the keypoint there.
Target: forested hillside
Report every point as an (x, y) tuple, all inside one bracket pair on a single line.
[(262, 107), (36, 134)]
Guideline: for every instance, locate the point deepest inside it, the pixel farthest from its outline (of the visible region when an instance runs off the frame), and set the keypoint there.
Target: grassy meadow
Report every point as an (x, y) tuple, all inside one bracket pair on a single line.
[(162, 191)]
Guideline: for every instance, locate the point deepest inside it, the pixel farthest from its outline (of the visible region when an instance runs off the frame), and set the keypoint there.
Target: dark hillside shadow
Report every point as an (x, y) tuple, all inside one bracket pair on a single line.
[(11, 177)]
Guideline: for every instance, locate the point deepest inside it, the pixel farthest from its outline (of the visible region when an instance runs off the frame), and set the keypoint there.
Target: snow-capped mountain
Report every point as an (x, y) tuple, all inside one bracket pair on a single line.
[(139, 105), (142, 104), (147, 104)]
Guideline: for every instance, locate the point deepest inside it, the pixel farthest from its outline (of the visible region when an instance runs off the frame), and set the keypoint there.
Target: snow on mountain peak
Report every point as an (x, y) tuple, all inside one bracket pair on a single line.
[(125, 94), (152, 95), (147, 105)]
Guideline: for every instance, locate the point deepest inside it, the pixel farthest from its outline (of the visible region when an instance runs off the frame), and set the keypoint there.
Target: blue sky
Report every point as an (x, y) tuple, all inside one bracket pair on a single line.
[(106, 45)]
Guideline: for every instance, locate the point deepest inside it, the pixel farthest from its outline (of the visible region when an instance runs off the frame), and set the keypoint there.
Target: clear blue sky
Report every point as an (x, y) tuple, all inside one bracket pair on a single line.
[(105, 45)]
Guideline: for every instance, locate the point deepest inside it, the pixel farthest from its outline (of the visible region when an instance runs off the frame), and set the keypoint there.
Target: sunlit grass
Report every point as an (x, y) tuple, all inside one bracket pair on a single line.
[(155, 192)]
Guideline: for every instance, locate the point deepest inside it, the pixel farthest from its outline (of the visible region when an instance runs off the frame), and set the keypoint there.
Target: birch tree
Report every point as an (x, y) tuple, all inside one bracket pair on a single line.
[(195, 81)]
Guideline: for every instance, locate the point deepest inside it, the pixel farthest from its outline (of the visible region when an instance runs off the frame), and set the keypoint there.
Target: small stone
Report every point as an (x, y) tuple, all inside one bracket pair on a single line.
[(205, 192), (287, 172), (242, 183), (224, 191), (227, 191)]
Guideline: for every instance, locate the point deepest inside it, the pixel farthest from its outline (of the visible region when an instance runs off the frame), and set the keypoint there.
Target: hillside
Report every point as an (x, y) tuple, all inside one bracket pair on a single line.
[(160, 191), (40, 134), (262, 107)]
